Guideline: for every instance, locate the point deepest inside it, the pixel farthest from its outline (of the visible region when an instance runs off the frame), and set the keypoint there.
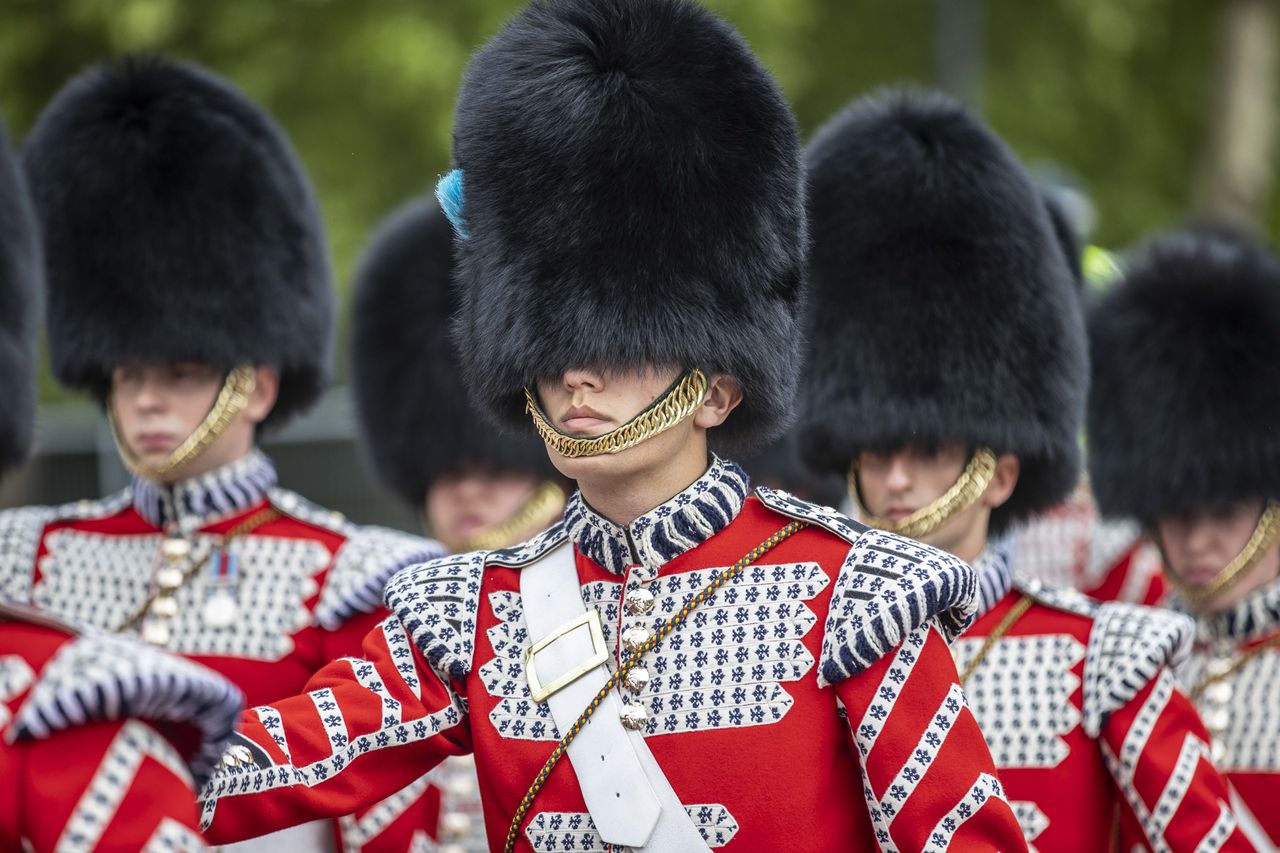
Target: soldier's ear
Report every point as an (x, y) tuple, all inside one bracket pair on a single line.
[(266, 390), (723, 396), (1003, 482)]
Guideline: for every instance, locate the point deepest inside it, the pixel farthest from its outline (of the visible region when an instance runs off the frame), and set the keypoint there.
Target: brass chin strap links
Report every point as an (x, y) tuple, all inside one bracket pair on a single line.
[(235, 393), (973, 481), (1264, 536), (680, 401), (537, 514)]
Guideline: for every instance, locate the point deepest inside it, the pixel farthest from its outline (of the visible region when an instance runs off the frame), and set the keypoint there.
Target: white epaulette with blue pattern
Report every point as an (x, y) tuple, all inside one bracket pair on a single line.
[(104, 677), (1128, 646), (437, 601), (888, 587), (364, 564)]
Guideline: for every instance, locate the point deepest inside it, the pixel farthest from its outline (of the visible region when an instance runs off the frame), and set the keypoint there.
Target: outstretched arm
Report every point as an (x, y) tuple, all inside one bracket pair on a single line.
[(363, 729)]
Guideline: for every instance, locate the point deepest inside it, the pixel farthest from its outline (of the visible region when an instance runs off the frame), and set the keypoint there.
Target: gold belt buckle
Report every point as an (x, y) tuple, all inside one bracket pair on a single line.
[(599, 654)]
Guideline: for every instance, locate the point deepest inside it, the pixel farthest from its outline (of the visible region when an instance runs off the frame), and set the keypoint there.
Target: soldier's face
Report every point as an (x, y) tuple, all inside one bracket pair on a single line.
[(1198, 545), (157, 405), (463, 503), (588, 403)]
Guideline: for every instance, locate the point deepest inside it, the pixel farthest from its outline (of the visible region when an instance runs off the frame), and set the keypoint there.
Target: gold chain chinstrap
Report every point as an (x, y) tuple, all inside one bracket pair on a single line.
[(680, 401), (629, 662), (973, 481), (234, 396)]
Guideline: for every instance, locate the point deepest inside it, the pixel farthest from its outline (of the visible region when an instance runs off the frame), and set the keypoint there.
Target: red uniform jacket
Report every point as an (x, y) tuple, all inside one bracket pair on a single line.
[(1241, 708), (809, 705), (104, 739), (1098, 747), (306, 586)]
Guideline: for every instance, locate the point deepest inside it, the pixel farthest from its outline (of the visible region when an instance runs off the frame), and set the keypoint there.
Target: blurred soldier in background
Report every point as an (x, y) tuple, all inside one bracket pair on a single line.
[(102, 740), (190, 292), (951, 388), (473, 487), (1069, 544), (1183, 417)]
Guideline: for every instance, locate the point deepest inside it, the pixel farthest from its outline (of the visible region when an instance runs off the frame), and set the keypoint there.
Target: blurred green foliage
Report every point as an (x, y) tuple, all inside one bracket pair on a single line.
[(1115, 91)]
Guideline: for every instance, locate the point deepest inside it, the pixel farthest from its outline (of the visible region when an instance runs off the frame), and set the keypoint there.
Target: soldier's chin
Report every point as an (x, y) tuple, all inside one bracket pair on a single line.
[(604, 465)]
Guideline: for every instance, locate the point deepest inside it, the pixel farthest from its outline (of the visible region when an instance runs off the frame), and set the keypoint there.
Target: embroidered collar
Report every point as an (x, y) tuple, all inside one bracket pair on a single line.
[(214, 494), (660, 535), (1254, 615), (995, 576)]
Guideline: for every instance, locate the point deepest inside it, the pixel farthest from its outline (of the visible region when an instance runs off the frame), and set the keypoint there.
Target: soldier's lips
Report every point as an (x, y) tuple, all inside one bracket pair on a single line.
[(154, 442), (1201, 575), (584, 421), (898, 513)]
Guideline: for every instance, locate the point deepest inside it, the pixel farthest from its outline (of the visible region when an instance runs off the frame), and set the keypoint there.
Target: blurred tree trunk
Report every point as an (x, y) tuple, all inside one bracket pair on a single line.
[(1237, 171)]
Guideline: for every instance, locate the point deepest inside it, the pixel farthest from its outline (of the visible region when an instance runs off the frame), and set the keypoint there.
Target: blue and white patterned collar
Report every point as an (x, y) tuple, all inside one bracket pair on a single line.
[(660, 535), (995, 576), (215, 494), (1256, 614)]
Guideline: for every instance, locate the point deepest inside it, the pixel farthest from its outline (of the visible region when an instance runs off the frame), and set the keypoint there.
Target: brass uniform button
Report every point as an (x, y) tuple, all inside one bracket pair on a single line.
[(635, 637), (157, 633), (635, 717), (164, 606), (639, 602), (636, 679), (169, 578), (175, 549)]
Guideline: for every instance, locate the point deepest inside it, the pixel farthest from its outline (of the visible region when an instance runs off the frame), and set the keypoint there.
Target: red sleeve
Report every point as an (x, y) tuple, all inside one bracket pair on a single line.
[(126, 789), (1173, 797), (364, 728), (928, 776)]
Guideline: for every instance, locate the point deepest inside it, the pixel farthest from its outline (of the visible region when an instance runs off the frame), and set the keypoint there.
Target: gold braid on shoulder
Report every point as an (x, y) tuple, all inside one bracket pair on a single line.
[(679, 401), (973, 481)]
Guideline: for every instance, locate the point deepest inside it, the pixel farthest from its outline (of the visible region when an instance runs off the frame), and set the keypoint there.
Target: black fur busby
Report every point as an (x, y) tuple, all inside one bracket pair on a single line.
[(942, 308), (178, 226), (1185, 400), (20, 274), (415, 420), (632, 195)]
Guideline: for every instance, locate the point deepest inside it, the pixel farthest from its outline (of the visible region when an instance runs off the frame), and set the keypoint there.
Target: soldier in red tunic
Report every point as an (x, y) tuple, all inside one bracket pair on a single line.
[(948, 381), (474, 487), (1182, 429), (679, 663), (190, 292), (101, 739)]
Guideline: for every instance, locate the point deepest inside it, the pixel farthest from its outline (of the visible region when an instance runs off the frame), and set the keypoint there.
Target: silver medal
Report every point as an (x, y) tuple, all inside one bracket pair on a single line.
[(220, 611)]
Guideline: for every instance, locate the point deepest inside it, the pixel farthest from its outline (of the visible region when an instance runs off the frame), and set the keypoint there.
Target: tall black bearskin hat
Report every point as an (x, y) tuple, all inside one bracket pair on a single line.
[(1186, 377), (632, 195), (415, 420), (942, 308), (178, 226), (20, 273)]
